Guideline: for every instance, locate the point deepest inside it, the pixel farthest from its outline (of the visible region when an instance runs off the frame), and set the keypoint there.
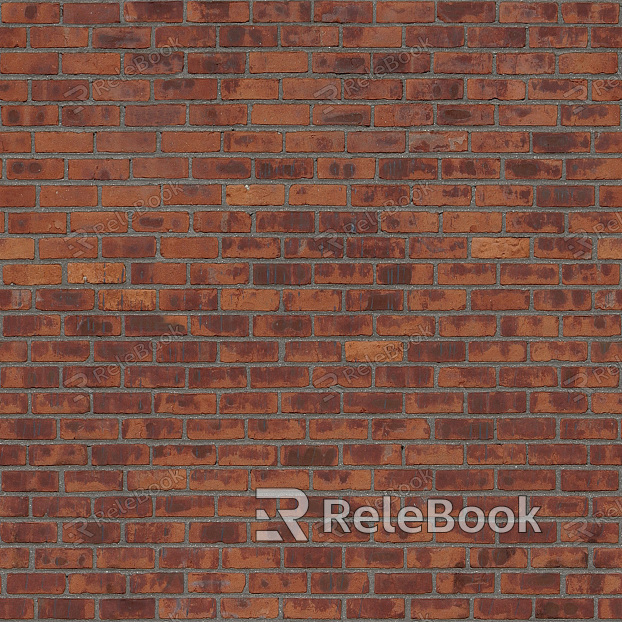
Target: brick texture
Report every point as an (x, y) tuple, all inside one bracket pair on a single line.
[(354, 247)]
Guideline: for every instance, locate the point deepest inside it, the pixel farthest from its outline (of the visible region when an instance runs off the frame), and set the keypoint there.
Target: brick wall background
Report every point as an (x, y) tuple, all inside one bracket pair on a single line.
[(353, 247)]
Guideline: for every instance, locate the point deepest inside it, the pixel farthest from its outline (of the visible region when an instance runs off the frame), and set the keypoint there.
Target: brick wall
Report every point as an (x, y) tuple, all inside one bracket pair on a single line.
[(352, 247)]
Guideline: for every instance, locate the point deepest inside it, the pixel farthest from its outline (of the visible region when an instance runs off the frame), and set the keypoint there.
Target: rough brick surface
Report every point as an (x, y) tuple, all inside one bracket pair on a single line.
[(354, 247)]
